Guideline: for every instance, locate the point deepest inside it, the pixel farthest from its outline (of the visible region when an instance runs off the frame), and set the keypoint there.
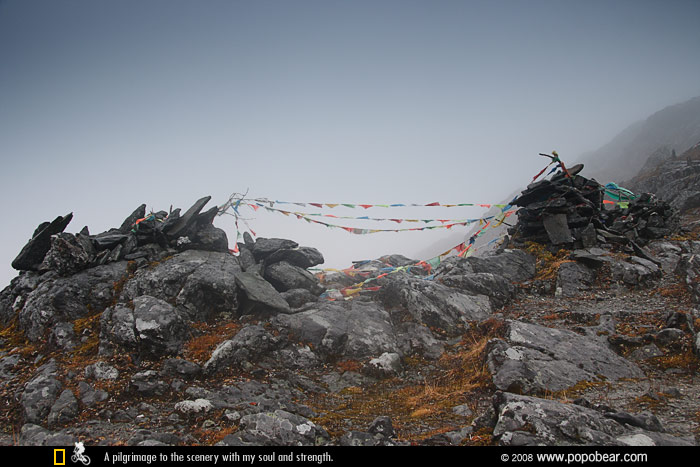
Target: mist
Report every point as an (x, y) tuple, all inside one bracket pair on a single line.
[(109, 105)]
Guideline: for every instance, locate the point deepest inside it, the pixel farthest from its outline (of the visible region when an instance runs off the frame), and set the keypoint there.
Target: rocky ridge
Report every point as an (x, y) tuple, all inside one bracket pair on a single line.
[(154, 333), (674, 179)]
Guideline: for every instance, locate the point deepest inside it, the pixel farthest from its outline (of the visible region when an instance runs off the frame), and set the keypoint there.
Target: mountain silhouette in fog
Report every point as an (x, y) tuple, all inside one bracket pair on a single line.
[(676, 127)]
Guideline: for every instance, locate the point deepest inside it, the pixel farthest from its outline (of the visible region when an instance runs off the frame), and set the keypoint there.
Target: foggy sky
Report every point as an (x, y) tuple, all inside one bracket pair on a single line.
[(107, 105)]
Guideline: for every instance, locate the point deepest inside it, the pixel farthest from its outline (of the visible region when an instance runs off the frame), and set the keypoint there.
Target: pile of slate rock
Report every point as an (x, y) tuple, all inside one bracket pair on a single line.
[(141, 237), (568, 212), (283, 264)]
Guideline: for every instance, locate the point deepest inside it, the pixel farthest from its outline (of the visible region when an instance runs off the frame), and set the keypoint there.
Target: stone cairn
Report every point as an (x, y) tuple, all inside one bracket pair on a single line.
[(568, 212), (274, 271), (140, 237)]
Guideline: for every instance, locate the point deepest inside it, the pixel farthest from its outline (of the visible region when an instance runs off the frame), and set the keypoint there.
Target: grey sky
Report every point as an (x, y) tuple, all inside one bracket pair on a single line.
[(107, 105)]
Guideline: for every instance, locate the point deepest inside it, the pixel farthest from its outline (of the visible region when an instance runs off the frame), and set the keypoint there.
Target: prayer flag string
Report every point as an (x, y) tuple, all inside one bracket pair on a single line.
[(237, 199), (312, 218), (464, 249)]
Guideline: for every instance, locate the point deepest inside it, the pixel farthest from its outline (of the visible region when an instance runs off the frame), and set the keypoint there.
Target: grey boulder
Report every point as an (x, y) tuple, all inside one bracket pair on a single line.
[(350, 330), (32, 254), (303, 257), (530, 421), (574, 278), (499, 289), (201, 283), (40, 393), (433, 304), (538, 359), (285, 276), (637, 272), (264, 247), (64, 410), (280, 428), (250, 344), (259, 296), (154, 328), (514, 265), (68, 254), (69, 298)]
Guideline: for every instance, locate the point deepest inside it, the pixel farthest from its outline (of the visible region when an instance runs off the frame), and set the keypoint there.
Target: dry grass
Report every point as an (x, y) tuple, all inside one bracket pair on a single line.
[(482, 437), (349, 365), (693, 235), (118, 285), (678, 292), (653, 401), (199, 348), (547, 263), (461, 377), (684, 360), (211, 436), (554, 316), (88, 327), (15, 341), (577, 390), (640, 324)]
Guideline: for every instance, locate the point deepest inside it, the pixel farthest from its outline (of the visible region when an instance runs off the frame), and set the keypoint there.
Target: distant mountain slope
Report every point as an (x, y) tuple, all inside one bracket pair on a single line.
[(639, 148), (673, 179), (676, 126)]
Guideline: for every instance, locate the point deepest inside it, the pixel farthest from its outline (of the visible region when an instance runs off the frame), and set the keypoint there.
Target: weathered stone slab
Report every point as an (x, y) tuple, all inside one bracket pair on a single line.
[(32, 255), (127, 225), (264, 247), (557, 228), (530, 421), (358, 330), (538, 359), (260, 294), (303, 257), (188, 218), (433, 304)]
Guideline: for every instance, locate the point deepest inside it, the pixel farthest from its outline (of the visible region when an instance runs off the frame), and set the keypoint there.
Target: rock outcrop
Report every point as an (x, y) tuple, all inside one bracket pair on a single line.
[(536, 360), (160, 335), (672, 179), (529, 421)]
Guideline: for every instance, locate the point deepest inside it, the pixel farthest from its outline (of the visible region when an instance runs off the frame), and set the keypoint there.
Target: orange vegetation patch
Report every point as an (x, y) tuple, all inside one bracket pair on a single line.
[(639, 324), (15, 341), (460, 377), (463, 373), (211, 436), (208, 336), (684, 360), (676, 291), (89, 328), (547, 263), (553, 317), (349, 365)]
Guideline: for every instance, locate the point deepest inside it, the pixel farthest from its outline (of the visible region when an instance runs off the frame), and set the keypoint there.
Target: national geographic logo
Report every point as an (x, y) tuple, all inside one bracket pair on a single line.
[(59, 457)]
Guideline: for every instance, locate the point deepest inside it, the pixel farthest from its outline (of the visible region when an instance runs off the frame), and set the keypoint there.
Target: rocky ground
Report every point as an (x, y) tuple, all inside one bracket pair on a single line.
[(161, 336)]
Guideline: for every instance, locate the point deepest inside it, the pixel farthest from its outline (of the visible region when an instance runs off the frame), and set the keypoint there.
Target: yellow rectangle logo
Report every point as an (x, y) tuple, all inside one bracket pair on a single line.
[(59, 457)]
